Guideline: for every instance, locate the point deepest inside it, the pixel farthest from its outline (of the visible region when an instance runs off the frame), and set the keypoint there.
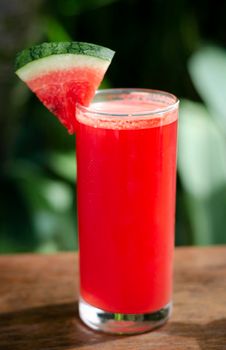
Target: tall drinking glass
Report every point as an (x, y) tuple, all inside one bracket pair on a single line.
[(126, 162)]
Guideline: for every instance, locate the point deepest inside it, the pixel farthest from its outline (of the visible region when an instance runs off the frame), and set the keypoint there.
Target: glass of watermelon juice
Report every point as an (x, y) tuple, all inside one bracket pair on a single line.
[(126, 159)]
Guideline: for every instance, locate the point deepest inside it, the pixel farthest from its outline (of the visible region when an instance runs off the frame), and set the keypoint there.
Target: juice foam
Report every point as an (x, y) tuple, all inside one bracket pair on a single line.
[(130, 113)]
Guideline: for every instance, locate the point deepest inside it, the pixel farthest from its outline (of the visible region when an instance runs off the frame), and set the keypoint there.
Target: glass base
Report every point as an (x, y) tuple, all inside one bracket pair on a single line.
[(122, 323)]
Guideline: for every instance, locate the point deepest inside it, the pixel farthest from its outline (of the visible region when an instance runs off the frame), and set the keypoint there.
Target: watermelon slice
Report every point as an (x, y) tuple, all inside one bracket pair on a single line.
[(63, 73)]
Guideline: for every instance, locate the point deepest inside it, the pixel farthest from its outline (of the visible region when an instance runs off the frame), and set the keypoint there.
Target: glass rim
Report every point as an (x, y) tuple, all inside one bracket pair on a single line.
[(119, 91)]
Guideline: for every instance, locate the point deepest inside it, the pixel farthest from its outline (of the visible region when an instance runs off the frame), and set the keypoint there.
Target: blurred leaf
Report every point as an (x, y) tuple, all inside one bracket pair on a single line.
[(54, 30), (46, 224), (57, 194), (208, 71), (66, 237), (48, 247), (202, 149), (41, 191), (51, 204), (57, 228), (64, 165), (207, 217), (202, 170)]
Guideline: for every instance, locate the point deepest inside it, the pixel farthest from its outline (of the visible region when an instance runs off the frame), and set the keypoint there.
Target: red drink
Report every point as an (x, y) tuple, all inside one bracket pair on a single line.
[(126, 204)]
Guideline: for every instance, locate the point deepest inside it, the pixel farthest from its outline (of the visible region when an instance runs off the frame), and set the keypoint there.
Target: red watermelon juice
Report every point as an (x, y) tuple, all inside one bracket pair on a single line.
[(126, 161)]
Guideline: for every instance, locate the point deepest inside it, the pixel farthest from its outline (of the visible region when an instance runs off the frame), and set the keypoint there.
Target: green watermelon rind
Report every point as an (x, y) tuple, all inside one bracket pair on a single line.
[(54, 48)]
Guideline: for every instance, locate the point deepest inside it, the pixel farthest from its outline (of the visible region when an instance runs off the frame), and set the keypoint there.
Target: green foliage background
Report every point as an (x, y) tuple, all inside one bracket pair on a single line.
[(176, 46)]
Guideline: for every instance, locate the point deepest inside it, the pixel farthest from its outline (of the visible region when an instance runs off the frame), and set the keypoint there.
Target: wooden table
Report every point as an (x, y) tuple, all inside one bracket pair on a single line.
[(38, 305)]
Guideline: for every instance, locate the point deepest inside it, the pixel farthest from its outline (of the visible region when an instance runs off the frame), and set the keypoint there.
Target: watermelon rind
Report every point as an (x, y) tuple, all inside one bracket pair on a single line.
[(57, 48)]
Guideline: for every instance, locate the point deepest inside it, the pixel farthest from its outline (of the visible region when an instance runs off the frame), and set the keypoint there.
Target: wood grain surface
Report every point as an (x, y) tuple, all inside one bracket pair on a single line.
[(38, 305)]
